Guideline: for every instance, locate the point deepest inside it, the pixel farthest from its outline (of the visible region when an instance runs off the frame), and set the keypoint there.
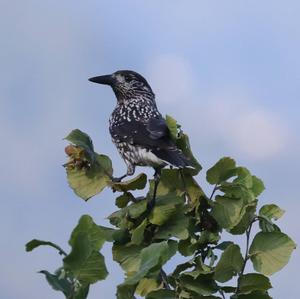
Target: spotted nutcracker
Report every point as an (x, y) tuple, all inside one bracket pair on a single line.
[(137, 128)]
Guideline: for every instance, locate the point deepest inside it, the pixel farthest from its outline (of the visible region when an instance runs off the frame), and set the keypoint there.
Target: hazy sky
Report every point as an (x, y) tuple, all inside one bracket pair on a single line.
[(229, 71)]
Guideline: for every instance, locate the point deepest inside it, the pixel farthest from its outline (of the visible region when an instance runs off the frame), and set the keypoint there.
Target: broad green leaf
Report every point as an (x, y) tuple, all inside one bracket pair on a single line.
[(136, 209), (221, 171), (257, 186), (125, 291), (254, 295), (97, 234), (86, 264), (82, 140), (244, 177), (188, 246), (253, 282), (228, 212), (176, 226), (137, 183), (82, 292), (124, 199), (247, 218), (57, 283), (170, 182), (224, 245), (194, 191), (272, 212), (266, 224), (128, 256), (181, 267), (153, 256), (147, 285), (230, 263), (203, 285), (172, 126), (270, 252), (165, 207), (36, 243), (87, 182), (161, 294), (138, 233)]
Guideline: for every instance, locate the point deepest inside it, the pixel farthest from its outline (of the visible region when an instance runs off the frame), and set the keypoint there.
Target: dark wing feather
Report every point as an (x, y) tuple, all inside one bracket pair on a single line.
[(154, 135)]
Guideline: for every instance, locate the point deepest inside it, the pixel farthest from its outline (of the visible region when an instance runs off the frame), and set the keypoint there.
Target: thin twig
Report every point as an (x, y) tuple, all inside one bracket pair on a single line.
[(164, 278), (246, 257), (213, 192), (189, 200), (222, 294)]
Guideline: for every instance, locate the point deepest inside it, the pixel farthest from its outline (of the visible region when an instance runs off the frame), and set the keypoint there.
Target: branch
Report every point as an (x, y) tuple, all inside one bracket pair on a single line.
[(246, 257), (213, 192), (164, 278)]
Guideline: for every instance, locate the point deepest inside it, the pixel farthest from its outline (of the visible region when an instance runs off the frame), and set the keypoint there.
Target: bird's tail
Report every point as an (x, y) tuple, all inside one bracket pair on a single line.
[(175, 157)]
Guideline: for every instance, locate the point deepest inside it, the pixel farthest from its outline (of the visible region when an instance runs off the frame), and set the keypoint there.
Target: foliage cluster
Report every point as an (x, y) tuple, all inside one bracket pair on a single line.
[(184, 220)]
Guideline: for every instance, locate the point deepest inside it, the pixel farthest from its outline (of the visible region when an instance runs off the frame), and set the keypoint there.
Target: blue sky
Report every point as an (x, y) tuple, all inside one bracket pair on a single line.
[(228, 71)]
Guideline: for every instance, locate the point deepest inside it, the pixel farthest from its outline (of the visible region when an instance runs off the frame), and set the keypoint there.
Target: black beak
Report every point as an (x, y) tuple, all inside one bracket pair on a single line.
[(107, 80)]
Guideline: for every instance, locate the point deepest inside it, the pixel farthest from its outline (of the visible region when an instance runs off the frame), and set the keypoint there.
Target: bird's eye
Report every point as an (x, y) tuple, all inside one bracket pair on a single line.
[(127, 79)]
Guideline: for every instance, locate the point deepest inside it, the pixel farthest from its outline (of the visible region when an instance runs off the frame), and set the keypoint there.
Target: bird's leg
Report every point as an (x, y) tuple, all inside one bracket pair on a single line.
[(130, 171), (151, 202)]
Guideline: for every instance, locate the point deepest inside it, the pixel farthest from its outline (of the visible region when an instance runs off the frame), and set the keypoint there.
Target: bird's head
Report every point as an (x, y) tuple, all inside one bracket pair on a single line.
[(126, 85)]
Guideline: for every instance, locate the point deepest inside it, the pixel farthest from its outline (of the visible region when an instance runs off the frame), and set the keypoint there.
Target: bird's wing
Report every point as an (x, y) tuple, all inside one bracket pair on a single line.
[(153, 133)]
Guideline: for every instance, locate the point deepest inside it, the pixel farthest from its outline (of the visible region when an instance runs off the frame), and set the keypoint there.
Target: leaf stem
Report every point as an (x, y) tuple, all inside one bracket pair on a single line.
[(246, 257), (213, 192), (222, 294), (164, 278), (189, 200)]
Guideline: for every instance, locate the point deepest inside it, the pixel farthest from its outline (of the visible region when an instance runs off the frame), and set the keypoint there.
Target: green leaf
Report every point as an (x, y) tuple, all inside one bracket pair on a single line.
[(221, 171), (82, 292), (253, 282), (136, 209), (230, 263), (36, 243), (188, 246), (97, 234), (257, 186), (270, 252), (124, 199), (165, 207), (125, 291), (176, 226), (87, 182), (57, 283), (172, 126), (137, 183), (86, 264), (159, 294), (146, 285), (254, 295), (153, 256), (224, 245), (271, 212), (247, 218), (138, 233), (244, 177), (203, 285), (128, 256), (228, 212)]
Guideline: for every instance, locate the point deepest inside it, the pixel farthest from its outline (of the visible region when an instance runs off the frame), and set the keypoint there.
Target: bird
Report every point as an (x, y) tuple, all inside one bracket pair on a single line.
[(136, 126)]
